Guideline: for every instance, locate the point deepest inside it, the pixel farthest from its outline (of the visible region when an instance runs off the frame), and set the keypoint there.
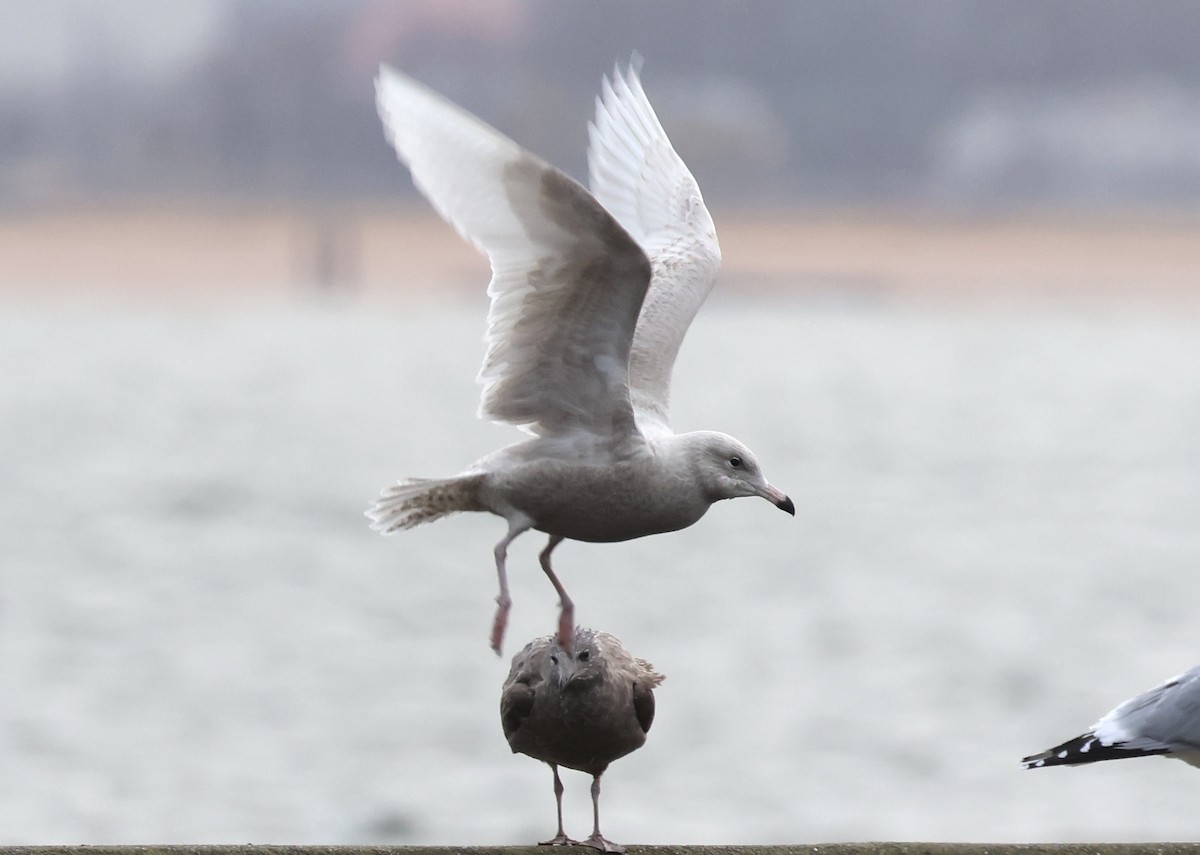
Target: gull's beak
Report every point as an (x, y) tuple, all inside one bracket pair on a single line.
[(576, 679), (778, 499), (577, 683), (565, 674)]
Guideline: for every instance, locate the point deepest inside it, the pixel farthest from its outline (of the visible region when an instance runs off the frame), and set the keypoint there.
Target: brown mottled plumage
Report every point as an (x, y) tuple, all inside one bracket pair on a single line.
[(582, 709)]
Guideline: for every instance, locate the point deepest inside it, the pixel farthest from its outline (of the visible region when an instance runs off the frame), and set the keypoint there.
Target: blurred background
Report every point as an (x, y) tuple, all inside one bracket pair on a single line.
[(958, 321)]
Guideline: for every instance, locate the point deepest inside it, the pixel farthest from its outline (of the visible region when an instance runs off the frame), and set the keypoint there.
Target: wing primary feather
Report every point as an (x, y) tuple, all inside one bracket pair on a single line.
[(637, 175)]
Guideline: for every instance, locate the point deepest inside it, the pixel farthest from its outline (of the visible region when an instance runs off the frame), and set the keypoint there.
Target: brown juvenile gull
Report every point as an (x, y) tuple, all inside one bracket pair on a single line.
[(591, 295), (581, 709), (1164, 720)]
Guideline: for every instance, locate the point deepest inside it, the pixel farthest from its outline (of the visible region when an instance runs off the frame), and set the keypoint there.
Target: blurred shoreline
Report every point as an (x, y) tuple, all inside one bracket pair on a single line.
[(259, 249)]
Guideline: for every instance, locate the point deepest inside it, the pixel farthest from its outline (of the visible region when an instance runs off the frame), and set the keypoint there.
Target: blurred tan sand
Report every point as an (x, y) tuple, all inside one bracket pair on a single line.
[(380, 250)]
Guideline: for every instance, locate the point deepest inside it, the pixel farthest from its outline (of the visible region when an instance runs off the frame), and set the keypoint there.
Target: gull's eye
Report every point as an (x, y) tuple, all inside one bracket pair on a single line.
[(553, 659), (583, 656), (735, 462)]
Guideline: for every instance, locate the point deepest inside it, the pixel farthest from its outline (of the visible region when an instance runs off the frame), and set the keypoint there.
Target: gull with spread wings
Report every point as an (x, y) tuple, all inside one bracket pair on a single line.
[(591, 295)]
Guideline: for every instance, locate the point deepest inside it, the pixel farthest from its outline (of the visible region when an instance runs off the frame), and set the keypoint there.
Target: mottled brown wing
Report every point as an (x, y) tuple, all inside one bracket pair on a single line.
[(643, 705), (515, 705)]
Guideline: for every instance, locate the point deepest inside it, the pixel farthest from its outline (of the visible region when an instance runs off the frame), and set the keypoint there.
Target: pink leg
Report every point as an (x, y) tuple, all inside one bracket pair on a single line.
[(559, 839), (503, 600), (597, 840), (566, 615)]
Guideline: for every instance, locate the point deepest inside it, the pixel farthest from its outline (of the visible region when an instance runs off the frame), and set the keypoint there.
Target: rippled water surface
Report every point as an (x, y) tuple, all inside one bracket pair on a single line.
[(997, 538)]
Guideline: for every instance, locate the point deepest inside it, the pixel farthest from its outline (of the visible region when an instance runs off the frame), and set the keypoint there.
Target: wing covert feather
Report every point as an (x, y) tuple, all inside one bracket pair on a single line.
[(568, 281)]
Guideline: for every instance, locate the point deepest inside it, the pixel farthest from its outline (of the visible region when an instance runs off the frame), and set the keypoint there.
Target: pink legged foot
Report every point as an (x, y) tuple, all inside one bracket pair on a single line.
[(500, 622), (559, 839), (566, 627), (602, 843), (566, 614)]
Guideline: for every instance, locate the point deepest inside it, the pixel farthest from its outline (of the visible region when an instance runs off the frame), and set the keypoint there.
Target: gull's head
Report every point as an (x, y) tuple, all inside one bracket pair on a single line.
[(580, 669), (730, 470)]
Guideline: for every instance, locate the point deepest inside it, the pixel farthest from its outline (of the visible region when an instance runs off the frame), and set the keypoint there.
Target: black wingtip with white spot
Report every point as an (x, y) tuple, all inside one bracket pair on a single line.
[(1086, 748)]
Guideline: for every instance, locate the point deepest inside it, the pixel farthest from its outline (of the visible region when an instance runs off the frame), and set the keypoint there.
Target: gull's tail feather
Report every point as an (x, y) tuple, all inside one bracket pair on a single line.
[(420, 500)]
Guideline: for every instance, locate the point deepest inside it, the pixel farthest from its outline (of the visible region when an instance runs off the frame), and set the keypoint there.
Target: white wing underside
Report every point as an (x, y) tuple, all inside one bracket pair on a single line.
[(567, 282), (636, 174)]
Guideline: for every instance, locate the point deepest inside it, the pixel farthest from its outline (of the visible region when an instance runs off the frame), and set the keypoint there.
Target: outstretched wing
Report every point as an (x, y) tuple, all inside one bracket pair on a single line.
[(636, 174), (567, 280)]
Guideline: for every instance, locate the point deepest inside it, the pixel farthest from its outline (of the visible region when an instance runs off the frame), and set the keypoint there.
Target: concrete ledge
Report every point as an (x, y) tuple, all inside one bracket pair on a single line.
[(816, 849)]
